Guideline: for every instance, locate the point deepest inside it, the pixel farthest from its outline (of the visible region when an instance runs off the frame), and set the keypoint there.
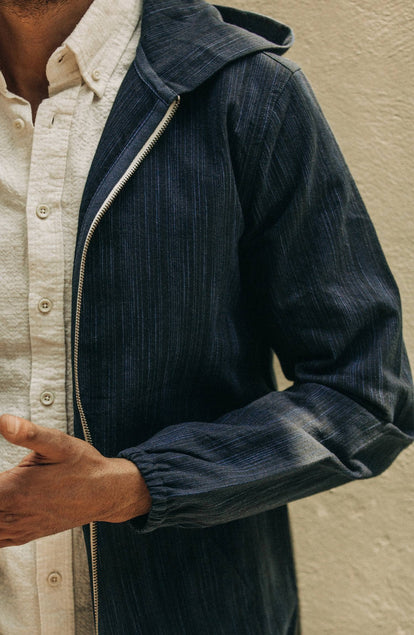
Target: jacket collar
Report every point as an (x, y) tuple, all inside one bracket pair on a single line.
[(185, 42)]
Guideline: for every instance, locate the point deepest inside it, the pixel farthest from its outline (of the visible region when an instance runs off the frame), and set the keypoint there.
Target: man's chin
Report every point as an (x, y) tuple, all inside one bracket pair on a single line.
[(31, 7)]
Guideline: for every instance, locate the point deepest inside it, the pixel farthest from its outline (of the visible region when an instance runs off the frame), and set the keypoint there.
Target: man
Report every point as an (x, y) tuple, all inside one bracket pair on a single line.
[(185, 171)]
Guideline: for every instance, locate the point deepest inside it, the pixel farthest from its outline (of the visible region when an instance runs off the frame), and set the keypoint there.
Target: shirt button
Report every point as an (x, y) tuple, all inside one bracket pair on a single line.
[(42, 211), (54, 579), (44, 305), (19, 123), (47, 398), (96, 75)]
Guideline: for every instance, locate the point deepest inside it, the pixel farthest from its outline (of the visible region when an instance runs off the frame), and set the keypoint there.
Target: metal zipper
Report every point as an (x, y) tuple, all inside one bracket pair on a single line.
[(142, 154)]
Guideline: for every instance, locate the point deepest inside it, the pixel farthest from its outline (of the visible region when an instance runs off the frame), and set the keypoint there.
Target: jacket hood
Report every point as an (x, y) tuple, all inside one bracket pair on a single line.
[(186, 41)]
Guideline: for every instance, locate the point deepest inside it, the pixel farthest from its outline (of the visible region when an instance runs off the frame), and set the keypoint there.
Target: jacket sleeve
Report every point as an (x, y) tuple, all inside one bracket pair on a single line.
[(321, 291)]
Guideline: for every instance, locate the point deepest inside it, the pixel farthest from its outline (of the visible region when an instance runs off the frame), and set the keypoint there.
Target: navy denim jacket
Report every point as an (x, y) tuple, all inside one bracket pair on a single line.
[(214, 230)]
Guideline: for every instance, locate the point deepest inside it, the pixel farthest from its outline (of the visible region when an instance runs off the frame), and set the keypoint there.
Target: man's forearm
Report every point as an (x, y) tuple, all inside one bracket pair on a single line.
[(63, 483)]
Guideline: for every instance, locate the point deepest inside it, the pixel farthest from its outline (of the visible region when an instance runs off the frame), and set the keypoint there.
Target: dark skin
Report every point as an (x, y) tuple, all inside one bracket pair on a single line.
[(30, 30), (63, 482)]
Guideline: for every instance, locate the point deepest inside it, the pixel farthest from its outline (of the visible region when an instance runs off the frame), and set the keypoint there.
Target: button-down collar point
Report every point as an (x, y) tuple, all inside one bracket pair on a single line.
[(19, 123)]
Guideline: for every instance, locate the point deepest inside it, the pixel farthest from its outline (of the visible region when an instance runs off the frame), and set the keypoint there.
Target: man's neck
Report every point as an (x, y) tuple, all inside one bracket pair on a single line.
[(28, 38)]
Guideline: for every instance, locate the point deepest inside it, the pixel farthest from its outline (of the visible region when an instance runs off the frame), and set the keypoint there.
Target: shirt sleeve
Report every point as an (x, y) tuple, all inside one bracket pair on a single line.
[(320, 289)]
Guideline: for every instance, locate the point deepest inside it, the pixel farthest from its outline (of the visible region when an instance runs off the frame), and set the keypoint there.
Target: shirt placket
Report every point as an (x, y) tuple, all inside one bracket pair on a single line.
[(47, 333)]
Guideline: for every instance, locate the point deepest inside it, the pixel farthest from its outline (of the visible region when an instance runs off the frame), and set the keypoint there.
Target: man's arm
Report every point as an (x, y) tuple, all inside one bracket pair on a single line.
[(322, 296), (63, 483)]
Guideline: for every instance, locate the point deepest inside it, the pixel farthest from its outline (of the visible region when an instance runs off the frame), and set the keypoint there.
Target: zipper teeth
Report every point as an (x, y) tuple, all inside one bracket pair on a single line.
[(94, 554), (142, 154)]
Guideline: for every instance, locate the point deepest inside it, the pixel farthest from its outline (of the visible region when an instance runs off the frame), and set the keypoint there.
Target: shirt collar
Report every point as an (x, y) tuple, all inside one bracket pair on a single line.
[(96, 45), (3, 85)]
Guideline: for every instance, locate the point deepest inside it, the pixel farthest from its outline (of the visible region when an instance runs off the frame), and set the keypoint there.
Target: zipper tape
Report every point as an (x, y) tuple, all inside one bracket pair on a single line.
[(142, 154)]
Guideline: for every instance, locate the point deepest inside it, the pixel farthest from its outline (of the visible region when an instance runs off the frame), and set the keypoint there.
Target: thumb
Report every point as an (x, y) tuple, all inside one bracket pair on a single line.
[(44, 441)]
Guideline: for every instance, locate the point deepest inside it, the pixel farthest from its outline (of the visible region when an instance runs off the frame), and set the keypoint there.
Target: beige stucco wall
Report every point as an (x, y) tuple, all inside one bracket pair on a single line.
[(354, 545)]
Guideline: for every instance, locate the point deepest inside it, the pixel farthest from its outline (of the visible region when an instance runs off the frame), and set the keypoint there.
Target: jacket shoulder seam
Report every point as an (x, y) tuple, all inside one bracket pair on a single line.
[(289, 78), (291, 66)]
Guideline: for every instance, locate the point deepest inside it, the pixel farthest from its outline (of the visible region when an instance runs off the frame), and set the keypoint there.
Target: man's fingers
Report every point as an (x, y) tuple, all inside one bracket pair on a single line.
[(16, 429), (44, 441)]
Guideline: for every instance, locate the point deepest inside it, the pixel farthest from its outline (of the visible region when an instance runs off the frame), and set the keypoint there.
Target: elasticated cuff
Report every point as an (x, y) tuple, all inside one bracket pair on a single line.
[(156, 516)]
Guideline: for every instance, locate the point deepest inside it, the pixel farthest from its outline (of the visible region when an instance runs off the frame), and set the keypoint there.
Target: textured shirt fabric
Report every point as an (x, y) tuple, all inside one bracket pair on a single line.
[(44, 585)]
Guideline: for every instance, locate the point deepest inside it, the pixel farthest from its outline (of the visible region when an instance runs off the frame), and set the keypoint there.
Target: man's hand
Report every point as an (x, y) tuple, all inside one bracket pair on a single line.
[(63, 483)]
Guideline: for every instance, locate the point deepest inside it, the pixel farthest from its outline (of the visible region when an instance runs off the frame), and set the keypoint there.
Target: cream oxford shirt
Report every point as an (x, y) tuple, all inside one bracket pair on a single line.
[(44, 585)]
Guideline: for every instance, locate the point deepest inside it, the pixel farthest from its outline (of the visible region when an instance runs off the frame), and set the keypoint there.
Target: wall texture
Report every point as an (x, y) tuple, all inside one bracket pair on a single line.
[(354, 545)]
